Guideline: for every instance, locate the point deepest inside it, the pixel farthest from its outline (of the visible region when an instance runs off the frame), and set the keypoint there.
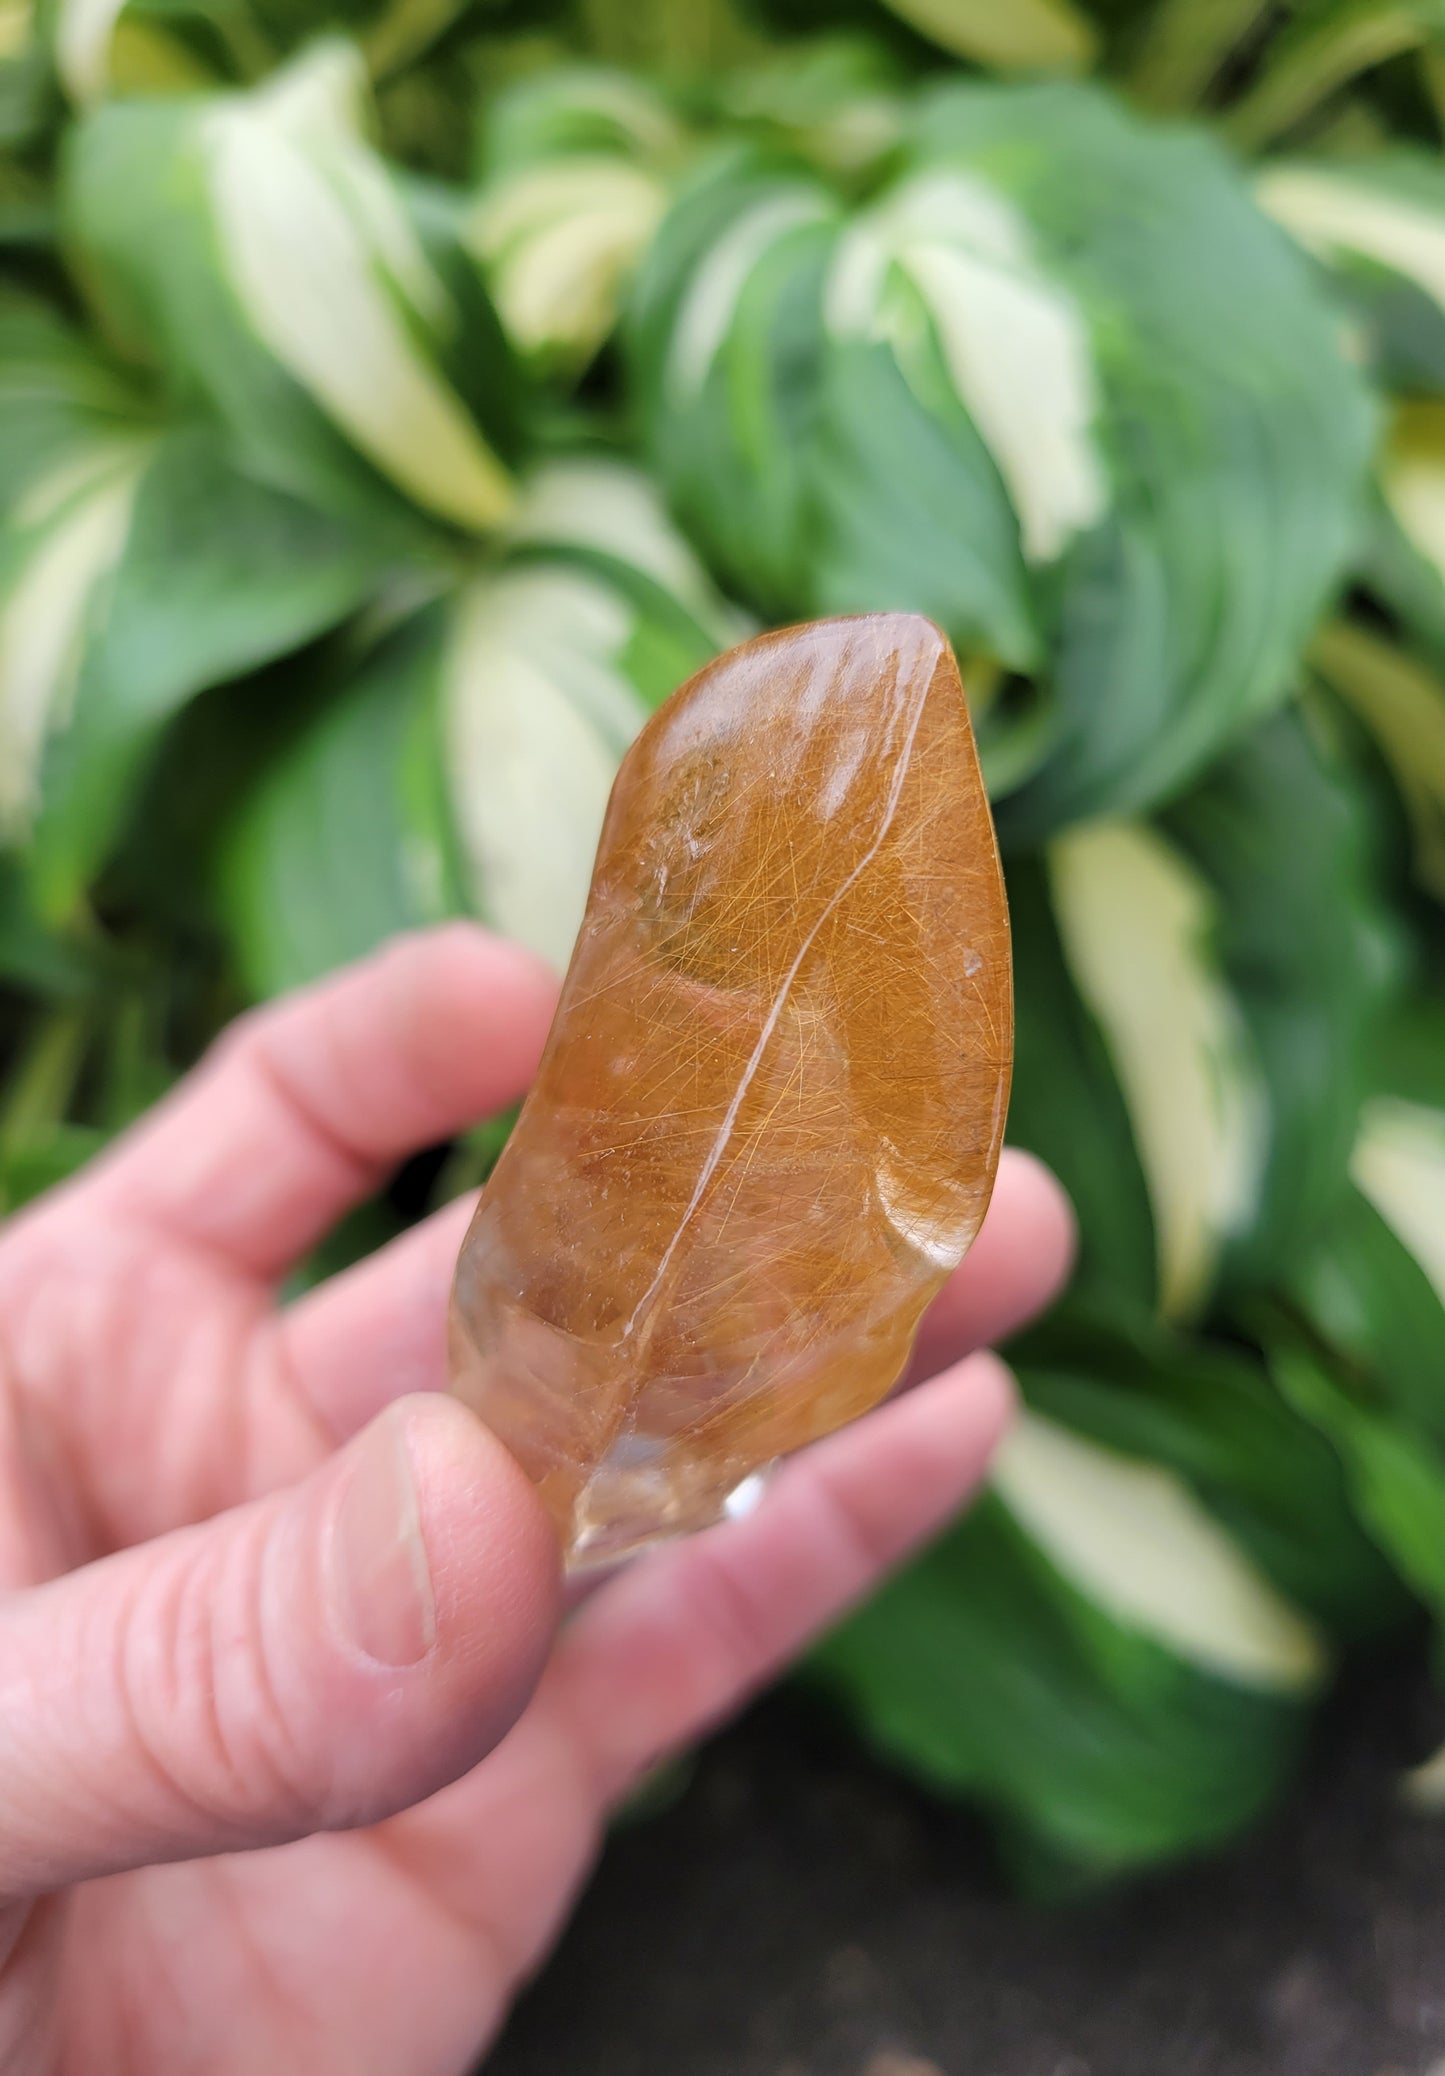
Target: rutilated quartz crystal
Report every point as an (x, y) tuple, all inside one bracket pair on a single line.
[(767, 1120)]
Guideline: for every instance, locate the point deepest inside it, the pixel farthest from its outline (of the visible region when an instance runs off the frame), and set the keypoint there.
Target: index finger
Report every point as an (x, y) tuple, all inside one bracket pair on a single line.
[(302, 1108)]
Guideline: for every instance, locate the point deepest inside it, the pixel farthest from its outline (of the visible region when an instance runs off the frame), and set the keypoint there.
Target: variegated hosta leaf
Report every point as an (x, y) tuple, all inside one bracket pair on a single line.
[(62, 543), (325, 312), (1210, 1417), (1321, 48), (1114, 1648), (538, 710), (1372, 1283), (83, 30), (609, 514), (1137, 923), (1196, 998), (1401, 703), (1133, 1538), (1090, 1653), (1024, 36), (1057, 385), (551, 668), (1412, 477), (26, 89), (1399, 1166), (1372, 1290), (805, 461), (1398, 1473), (1013, 340), (575, 179), (137, 568), (61, 401), (470, 761), (836, 101), (558, 244), (1380, 224)]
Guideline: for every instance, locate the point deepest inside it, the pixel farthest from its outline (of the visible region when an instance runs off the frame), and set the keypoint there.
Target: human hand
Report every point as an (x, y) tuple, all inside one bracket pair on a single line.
[(296, 1770)]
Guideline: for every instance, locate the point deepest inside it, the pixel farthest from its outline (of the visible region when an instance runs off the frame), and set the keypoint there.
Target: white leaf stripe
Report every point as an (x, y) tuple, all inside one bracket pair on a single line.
[(1134, 920), (83, 32), (1399, 1164), (559, 242), (597, 503), (1330, 213), (317, 251), (44, 615), (1014, 341), (712, 295), (1132, 1537), (537, 713)]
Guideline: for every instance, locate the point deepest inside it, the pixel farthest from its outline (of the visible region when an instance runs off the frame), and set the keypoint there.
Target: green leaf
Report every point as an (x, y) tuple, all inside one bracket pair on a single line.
[(1399, 1164), (1280, 832), (1412, 477), (1379, 224), (1235, 432), (552, 667), (468, 765), (1210, 1413), (1371, 1286), (590, 110), (298, 291), (835, 100), (138, 567), (61, 400), (33, 956), (1370, 1300), (217, 576), (1197, 1000), (558, 245), (798, 454), (575, 181), (31, 1167), (28, 100), (1402, 705), (1182, 46), (985, 1670), (1024, 36), (57, 553), (345, 841), (1138, 924), (741, 253), (1057, 385), (1094, 1510), (1321, 50), (1114, 1649), (1067, 1106), (1398, 1479)]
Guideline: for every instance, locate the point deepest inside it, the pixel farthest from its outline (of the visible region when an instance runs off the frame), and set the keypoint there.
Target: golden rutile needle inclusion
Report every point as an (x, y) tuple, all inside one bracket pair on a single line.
[(767, 1120)]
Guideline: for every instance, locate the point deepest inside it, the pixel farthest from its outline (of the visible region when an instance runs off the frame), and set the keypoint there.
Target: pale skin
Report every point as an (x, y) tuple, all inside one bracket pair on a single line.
[(298, 1769)]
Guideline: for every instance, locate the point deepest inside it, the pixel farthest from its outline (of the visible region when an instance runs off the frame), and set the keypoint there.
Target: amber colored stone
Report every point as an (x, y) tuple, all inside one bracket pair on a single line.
[(767, 1120)]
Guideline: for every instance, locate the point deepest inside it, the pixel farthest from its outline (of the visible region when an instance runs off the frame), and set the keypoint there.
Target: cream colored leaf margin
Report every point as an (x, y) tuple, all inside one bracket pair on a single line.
[(1133, 1538), (1135, 920), (320, 253)]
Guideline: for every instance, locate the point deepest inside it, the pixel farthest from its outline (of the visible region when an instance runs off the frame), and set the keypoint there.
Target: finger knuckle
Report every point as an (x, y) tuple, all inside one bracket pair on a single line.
[(204, 1707)]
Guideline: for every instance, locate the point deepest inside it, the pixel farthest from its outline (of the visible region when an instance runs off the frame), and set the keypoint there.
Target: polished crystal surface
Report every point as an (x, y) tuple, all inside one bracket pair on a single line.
[(767, 1120)]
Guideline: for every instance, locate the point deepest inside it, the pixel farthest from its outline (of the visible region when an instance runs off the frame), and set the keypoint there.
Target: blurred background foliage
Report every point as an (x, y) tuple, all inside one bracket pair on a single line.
[(399, 397)]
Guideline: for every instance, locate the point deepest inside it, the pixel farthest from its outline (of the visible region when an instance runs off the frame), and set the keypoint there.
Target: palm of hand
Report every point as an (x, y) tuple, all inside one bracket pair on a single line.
[(228, 1840)]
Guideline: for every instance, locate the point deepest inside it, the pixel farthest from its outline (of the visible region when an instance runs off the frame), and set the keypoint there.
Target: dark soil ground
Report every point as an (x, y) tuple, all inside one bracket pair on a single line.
[(798, 1911)]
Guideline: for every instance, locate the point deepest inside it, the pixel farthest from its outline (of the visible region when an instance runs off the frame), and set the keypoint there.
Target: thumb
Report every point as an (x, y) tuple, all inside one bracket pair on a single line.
[(318, 1659)]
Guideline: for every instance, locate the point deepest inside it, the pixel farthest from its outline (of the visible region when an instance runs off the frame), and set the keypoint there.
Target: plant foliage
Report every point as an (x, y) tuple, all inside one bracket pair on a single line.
[(399, 397)]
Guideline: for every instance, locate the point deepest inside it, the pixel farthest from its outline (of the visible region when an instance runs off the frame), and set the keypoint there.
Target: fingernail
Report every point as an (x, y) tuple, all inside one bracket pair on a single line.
[(380, 1580)]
